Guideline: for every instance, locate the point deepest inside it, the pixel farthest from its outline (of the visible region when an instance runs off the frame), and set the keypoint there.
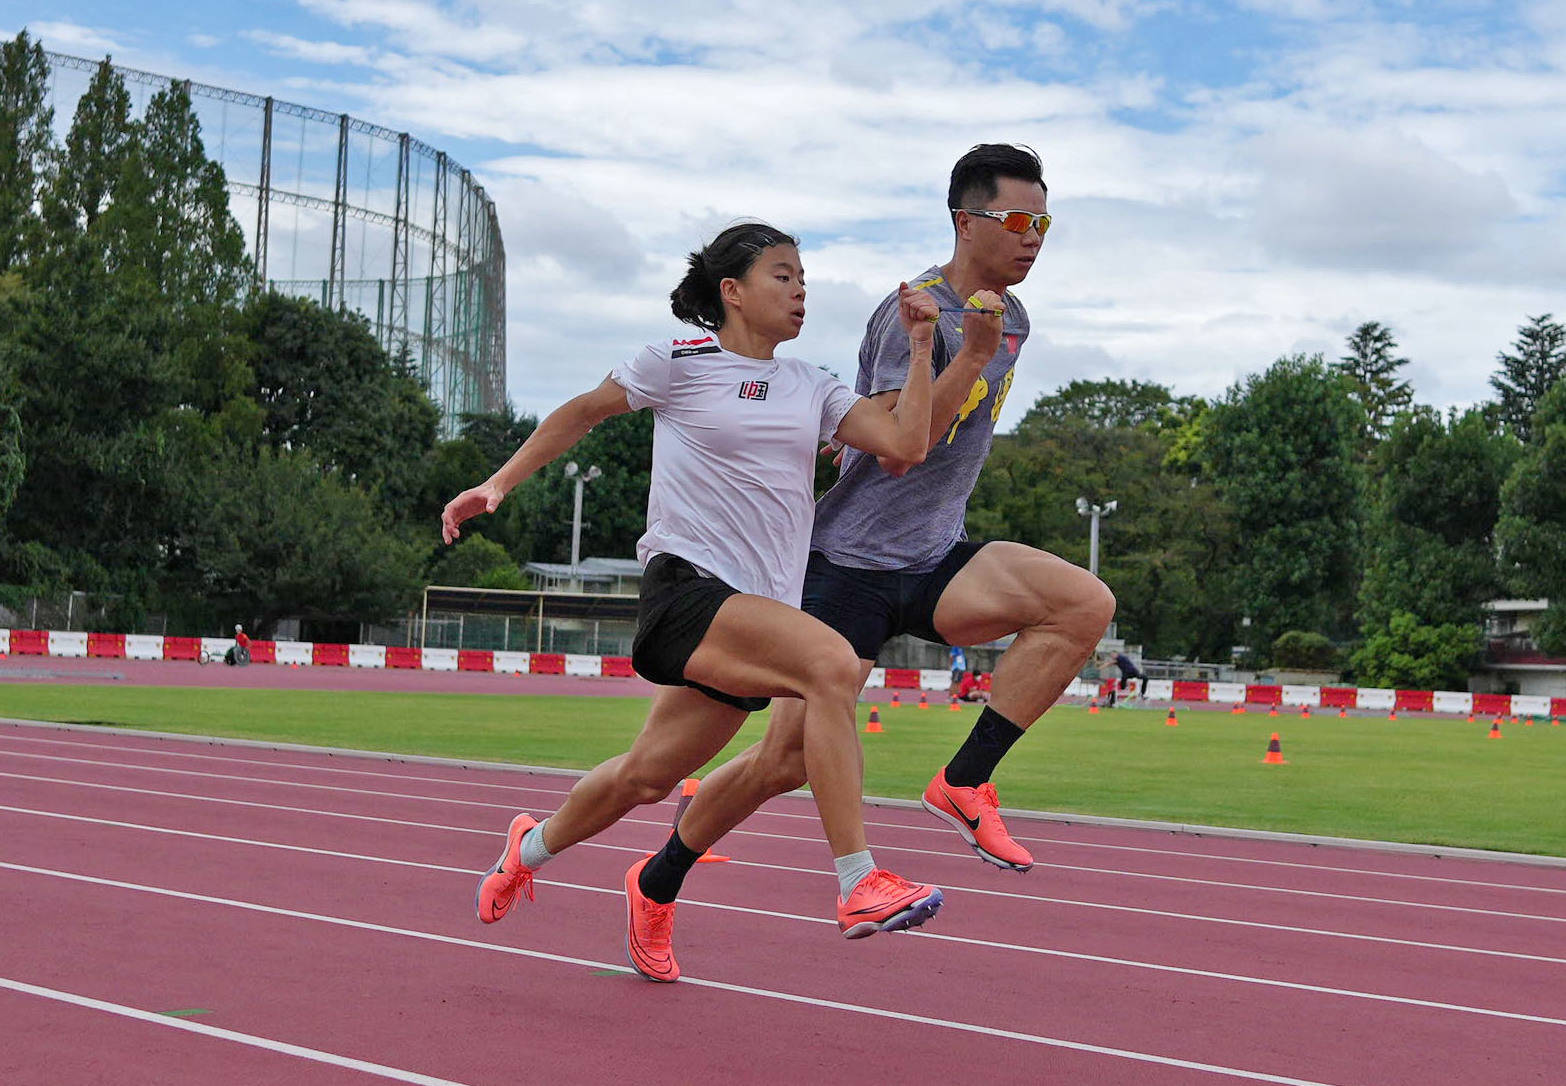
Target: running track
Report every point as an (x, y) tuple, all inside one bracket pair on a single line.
[(311, 916)]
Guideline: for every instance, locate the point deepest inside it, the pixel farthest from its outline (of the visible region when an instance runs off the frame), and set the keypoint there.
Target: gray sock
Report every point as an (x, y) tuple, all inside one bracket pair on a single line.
[(534, 854), (851, 870)]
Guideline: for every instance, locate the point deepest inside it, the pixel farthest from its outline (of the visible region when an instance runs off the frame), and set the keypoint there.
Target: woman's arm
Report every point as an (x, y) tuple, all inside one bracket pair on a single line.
[(564, 427), (903, 432)]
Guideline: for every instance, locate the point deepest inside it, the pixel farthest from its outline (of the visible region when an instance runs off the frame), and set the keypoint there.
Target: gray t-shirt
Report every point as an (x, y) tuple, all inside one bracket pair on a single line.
[(871, 520)]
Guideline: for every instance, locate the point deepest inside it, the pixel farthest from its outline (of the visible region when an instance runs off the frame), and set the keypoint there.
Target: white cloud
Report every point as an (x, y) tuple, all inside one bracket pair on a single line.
[(320, 52), (67, 37)]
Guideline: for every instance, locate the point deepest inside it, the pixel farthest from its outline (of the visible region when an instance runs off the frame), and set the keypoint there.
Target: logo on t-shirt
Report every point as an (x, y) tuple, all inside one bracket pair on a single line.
[(683, 348), (753, 390)]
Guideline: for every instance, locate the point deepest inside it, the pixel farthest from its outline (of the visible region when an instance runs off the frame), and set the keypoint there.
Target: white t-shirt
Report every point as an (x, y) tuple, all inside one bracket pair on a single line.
[(734, 458)]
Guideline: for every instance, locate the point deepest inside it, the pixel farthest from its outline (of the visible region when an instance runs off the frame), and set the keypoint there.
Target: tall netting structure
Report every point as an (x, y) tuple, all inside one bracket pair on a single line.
[(358, 217)]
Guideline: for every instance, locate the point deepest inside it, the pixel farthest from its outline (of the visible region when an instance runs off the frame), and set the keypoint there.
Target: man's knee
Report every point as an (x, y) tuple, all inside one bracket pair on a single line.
[(1088, 608)]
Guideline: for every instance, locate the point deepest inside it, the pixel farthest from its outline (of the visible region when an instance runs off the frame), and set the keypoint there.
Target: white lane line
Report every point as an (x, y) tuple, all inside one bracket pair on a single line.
[(1070, 902), (1261, 888), (740, 989), (396, 1074), (1130, 963), (810, 818)]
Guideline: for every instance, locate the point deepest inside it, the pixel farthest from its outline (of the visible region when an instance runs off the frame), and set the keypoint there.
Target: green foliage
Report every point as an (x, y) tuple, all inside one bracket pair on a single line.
[(1304, 651), (1110, 404), (472, 562), (272, 536), (1537, 364), (1532, 528), (26, 143), (1409, 655), (1166, 553), (95, 151), (1282, 447), (1430, 543), (323, 383), (1371, 371)]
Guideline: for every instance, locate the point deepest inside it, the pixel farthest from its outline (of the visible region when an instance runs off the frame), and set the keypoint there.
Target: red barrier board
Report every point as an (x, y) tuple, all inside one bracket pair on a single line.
[(1190, 690), (112, 645), (1558, 706), (30, 642), (1499, 704), (902, 678), (618, 666), (328, 655), (1339, 697), (1416, 701), (1264, 695), (181, 648), (408, 656), (547, 663), (263, 652), (475, 660)]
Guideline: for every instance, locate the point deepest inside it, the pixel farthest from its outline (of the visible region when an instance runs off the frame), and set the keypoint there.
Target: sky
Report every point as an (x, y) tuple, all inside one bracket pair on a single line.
[(1231, 181)]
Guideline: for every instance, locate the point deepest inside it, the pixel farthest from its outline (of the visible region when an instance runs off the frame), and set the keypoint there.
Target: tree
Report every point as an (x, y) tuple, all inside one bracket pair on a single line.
[(1532, 528), (323, 383), (1372, 373), (94, 156), (26, 143), (1525, 376), (1430, 547), (1167, 552), (270, 536), (1282, 447), (476, 562), (1410, 655), (1111, 404)]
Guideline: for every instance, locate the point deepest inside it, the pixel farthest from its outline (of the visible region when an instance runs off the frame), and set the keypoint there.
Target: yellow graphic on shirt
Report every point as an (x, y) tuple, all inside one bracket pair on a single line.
[(976, 394), (929, 283), (1000, 397)]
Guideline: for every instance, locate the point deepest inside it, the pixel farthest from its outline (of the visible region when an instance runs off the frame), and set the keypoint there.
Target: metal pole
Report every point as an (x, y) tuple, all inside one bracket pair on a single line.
[(576, 535), (1093, 544)]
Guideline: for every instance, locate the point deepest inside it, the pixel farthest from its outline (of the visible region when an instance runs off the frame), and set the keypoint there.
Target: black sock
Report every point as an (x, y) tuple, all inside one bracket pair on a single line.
[(986, 745), (665, 872)]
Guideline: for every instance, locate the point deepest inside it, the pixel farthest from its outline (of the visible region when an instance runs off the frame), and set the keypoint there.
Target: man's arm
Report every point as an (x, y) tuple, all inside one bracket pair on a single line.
[(981, 336)]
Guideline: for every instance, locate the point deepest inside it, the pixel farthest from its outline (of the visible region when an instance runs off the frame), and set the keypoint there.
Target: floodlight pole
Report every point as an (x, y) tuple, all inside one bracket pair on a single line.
[(1096, 512), (582, 479)]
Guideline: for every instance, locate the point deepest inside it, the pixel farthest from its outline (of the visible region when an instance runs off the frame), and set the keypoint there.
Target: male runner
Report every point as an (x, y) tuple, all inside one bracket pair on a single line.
[(889, 554)]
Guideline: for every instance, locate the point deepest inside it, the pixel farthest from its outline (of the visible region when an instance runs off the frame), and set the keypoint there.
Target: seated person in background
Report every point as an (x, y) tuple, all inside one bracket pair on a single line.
[(973, 688), (239, 655), (1130, 677)]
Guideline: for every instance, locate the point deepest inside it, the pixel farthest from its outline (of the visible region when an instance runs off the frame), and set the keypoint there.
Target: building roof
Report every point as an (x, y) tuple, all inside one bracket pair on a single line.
[(588, 569), (1517, 605)]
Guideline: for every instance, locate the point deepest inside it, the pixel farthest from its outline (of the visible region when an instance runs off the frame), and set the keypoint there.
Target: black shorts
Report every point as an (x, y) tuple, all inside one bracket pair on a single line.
[(677, 606), (871, 606)]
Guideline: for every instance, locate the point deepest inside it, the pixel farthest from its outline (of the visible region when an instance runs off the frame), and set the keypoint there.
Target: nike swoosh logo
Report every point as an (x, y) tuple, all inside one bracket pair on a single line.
[(973, 823)]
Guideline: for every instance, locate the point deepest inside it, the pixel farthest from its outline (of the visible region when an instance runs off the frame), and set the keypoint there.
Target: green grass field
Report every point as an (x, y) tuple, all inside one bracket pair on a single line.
[(1428, 781)]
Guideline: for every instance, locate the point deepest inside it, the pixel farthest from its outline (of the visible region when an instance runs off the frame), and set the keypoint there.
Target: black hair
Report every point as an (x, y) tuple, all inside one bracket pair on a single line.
[(730, 255), (974, 176)]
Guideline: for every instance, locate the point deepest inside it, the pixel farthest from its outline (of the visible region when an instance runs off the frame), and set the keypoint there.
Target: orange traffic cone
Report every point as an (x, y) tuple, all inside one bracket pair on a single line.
[(1495, 728), (1093, 707), (953, 706), (1342, 713), (1527, 721), (1391, 714), (1273, 711), (874, 725), (1470, 718), (897, 702), (1171, 720), (1304, 712), (924, 702), (687, 793), (1514, 720), (1274, 754), (1555, 722), (1237, 709)]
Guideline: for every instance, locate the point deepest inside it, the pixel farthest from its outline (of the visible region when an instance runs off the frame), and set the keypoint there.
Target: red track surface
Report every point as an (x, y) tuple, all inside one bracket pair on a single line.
[(326, 903)]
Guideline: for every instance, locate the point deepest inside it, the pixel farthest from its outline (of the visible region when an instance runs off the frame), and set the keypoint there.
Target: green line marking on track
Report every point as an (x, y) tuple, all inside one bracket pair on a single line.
[(185, 1014), (608, 972)]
